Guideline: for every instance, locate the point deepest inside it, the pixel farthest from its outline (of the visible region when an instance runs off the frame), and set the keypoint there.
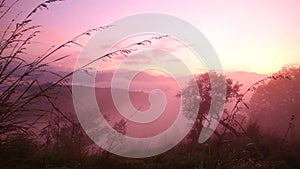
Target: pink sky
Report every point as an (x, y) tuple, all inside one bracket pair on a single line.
[(257, 36), (254, 36)]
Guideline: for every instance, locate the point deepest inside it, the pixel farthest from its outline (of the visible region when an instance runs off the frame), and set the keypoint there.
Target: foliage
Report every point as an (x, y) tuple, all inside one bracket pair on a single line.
[(204, 90), (278, 101), (63, 144), (20, 107)]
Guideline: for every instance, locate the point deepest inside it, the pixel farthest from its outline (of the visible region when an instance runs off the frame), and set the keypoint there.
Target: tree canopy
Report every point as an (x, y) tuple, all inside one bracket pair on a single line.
[(275, 105), (204, 88)]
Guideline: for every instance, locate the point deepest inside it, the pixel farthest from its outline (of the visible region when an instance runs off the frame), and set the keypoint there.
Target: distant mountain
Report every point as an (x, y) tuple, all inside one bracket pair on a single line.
[(138, 98), (104, 78), (107, 106), (245, 78)]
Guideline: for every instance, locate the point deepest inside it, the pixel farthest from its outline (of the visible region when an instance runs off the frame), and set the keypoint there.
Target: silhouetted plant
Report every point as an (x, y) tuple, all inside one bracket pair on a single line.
[(204, 87), (277, 101), (22, 94), (19, 78)]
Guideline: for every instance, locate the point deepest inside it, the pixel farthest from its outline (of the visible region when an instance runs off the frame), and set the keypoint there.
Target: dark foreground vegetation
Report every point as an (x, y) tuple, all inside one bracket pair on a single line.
[(255, 151), (262, 132)]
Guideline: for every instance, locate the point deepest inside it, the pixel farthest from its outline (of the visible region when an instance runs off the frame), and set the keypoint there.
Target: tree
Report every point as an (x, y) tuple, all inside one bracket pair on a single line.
[(275, 105), (204, 89)]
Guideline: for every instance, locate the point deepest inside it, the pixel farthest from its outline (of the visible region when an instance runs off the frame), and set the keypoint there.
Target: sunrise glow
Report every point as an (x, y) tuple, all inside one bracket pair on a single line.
[(254, 36)]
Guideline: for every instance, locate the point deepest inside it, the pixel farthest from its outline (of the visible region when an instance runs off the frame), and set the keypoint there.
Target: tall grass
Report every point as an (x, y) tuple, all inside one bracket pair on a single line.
[(63, 148), (18, 76)]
